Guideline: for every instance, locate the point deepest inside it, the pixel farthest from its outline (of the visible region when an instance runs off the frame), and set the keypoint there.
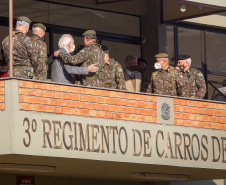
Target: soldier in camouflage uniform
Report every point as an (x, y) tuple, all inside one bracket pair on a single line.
[(163, 80), (23, 55), (40, 49), (190, 81), (113, 76), (90, 54)]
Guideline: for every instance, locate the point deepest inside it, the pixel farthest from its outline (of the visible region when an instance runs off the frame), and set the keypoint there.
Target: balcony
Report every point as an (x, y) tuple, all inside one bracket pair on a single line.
[(97, 133)]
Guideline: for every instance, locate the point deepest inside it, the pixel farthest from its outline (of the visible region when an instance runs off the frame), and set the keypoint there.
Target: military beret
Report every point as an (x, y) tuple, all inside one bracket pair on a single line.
[(104, 48), (183, 57), (162, 55), (89, 32), (40, 25), (23, 18)]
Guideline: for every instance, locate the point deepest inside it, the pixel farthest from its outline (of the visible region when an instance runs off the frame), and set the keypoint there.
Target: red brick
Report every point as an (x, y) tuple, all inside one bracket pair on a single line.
[(93, 99), (213, 105), (192, 116), (129, 96), (46, 101), (80, 90), (71, 89), (187, 109), (152, 98), (66, 96), (81, 105), (27, 84), (132, 103), (121, 109), (208, 125), (40, 93), (179, 122), (63, 103), (28, 99), (202, 111), (31, 92), (22, 91), (117, 116), (155, 106), (149, 105), (46, 86), (153, 113), (130, 110), (220, 106), (49, 109), (137, 96), (183, 102), (176, 101), (206, 104), (96, 106), (133, 117), (121, 95), (2, 90), (72, 104), (88, 91), (141, 118), (105, 107), (101, 100), (84, 112), (76, 111), (223, 127), (126, 116), (149, 119), (125, 102), (185, 116), (93, 113), (113, 94), (84, 98), (117, 102), (55, 102), (114, 108), (140, 104), (23, 106), (198, 104), (21, 83), (54, 87), (36, 100), (145, 98), (190, 103), (88, 105), (180, 108), (2, 106), (195, 110), (67, 111), (58, 95), (209, 112), (109, 115), (138, 111), (146, 112), (64, 88), (50, 94), (217, 126), (37, 85), (105, 93), (101, 114), (75, 97), (109, 101), (177, 115), (221, 120), (32, 107), (217, 113), (21, 99), (213, 119), (58, 110)]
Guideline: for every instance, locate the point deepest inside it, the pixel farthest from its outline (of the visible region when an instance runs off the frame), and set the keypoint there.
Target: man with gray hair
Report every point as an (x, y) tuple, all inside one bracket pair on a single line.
[(23, 56), (90, 54), (40, 50), (132, 76), (62, 72), (190, 81)]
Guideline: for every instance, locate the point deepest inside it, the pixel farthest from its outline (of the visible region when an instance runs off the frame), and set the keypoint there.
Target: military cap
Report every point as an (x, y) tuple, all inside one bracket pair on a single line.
[(40, 25), (89, 32), (23, 18), (183, 57), (104, 48), (162, 55)]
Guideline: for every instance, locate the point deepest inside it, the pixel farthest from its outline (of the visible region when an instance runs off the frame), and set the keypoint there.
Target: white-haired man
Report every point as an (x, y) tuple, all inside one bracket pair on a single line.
[(61, 72), (40, 50), (23, 56), (190, 81)]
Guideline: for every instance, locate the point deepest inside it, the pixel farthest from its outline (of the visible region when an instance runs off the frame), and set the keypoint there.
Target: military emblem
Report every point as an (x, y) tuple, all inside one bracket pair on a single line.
[(120, 70), (165, 108)]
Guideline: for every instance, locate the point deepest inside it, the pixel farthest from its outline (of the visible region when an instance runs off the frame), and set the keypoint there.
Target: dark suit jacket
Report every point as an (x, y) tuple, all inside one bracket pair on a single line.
[(62, 73)]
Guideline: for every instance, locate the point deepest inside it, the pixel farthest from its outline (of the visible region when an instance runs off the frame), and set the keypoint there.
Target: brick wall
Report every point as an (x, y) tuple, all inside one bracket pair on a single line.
[(65, 99), (2, 95)]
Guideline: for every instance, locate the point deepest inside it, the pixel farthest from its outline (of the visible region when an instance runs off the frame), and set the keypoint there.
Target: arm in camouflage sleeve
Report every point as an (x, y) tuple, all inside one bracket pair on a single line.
[(76, 59), (31, 52), (42, 60), (201, 85), (150, 85), (119, 77)]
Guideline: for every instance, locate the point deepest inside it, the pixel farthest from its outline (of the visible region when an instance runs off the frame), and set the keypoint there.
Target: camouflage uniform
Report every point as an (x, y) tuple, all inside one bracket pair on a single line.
[(113, 76), (163, 82), (91, 54), (41, 50), (23, 55), (190, 84)]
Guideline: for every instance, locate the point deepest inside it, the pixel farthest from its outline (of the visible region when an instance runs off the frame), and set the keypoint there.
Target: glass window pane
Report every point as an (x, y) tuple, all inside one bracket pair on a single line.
[(217, 82), (190, 42), (216, 55)]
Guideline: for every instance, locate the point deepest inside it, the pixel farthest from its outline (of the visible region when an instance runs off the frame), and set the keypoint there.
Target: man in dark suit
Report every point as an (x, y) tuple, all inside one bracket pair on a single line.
[(61, 72), (132, 77)]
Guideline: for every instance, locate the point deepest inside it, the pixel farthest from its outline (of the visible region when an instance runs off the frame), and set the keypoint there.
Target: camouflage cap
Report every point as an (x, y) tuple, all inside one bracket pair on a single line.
[(40, 25), (183, 57), (23, 18), (89, 32), (162, 55)]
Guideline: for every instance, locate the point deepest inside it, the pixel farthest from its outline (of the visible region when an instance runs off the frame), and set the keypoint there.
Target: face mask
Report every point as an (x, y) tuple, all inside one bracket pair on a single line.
[(133, 68), (182, 67), (142, 70), (157, 66), (73, 48)]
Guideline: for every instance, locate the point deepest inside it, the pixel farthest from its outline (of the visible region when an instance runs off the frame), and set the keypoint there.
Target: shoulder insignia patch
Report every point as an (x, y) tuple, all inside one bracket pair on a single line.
[(82, 51), (120, 70), (200, 74), (181, 76)]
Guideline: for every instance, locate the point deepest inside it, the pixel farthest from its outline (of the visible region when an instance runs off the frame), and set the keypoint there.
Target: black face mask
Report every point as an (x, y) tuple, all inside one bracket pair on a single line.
[(182, 67), (142, 70), (133, 68)]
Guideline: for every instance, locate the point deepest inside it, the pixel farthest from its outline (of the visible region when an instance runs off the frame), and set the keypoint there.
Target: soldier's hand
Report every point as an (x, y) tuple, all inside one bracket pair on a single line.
[(56, 53), (92, 68)]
